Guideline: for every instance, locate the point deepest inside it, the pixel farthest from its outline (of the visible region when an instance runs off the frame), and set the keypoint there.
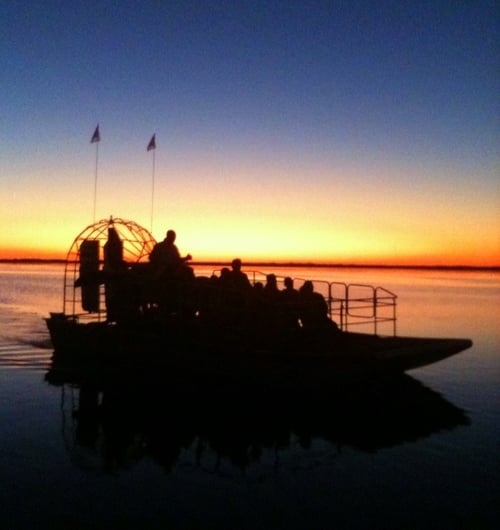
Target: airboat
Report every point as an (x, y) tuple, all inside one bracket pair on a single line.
[(117, 315)]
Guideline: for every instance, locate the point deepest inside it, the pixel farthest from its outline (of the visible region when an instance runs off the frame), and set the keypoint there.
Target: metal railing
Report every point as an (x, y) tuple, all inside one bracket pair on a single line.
[(351, 306), (362, 305)]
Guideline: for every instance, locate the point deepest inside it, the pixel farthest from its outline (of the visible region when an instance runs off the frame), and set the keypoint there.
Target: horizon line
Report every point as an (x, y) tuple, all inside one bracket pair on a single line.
[(297, 264)]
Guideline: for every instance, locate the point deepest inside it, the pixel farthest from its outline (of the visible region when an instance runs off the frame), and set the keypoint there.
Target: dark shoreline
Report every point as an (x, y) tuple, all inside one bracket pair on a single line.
[(291, 264)]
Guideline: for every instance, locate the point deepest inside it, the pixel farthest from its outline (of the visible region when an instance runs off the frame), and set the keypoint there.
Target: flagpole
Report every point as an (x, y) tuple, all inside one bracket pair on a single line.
[(96, 138), (95, 177), (152, 147), (153, 188)]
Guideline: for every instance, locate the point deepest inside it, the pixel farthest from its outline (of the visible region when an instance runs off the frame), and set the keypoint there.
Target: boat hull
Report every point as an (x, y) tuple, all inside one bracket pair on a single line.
[(188, 357)]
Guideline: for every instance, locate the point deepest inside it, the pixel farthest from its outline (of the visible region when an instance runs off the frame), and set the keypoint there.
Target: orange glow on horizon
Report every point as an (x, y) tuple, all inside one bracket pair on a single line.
[(259, 216), (250, 254)]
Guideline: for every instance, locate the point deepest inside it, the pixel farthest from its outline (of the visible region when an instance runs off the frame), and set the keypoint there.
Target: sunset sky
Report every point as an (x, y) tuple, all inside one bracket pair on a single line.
[(340, 131)]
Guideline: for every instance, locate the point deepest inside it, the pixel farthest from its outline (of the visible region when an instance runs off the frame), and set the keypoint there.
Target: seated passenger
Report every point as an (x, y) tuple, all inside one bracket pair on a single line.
[(271, 291), (239, 279), (271, 306), (314, 309), (225, 279), (290, 305)]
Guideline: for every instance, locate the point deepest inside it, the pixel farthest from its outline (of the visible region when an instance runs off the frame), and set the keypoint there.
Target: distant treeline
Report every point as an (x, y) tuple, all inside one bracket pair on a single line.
[(291, 264), (32, 261)]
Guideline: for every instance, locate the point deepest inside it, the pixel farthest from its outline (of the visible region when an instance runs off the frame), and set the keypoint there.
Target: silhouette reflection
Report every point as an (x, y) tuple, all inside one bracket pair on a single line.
[(111, 421)]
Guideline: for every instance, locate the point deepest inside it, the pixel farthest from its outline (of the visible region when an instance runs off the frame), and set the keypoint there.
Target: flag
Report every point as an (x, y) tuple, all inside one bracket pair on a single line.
[(152, 143), (96, 137)]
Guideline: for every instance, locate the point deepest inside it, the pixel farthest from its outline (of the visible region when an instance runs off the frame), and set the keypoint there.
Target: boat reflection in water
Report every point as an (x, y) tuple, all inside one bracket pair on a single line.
[(115, 419)]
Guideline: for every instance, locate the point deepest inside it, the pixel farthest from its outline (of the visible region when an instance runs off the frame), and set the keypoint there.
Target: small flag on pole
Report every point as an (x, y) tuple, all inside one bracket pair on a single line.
[(96, 137), (152, 143)]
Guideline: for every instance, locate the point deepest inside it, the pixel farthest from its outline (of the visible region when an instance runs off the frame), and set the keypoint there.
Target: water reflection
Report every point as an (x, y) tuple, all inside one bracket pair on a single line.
[(111, 422)]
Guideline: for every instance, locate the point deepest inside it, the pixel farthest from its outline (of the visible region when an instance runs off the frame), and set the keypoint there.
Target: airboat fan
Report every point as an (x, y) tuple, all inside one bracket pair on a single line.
[(86, 258)]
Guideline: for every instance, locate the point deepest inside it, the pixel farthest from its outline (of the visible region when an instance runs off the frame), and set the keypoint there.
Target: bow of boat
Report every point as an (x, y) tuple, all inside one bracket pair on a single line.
[(408, 353)]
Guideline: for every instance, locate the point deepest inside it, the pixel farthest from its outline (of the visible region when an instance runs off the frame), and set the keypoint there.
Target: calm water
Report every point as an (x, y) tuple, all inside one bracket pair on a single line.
[(427, 457)]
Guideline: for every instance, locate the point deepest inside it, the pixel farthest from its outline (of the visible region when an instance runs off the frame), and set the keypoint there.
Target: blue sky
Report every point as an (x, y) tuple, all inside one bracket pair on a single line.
[(375, 104)]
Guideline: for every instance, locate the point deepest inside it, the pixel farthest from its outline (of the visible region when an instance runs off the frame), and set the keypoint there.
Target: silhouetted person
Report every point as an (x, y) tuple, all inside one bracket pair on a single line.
[(289, 305), (114, 266), (289, 293), (271, 288), (165, 256), (271, 306), (113, 252), (257, 324), (225, 279), (171, 293), (239, 278), (231, 298), (314, 310)]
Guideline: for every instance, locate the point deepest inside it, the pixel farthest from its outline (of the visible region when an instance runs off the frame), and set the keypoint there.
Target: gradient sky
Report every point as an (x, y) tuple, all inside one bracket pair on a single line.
[(343, 131)]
